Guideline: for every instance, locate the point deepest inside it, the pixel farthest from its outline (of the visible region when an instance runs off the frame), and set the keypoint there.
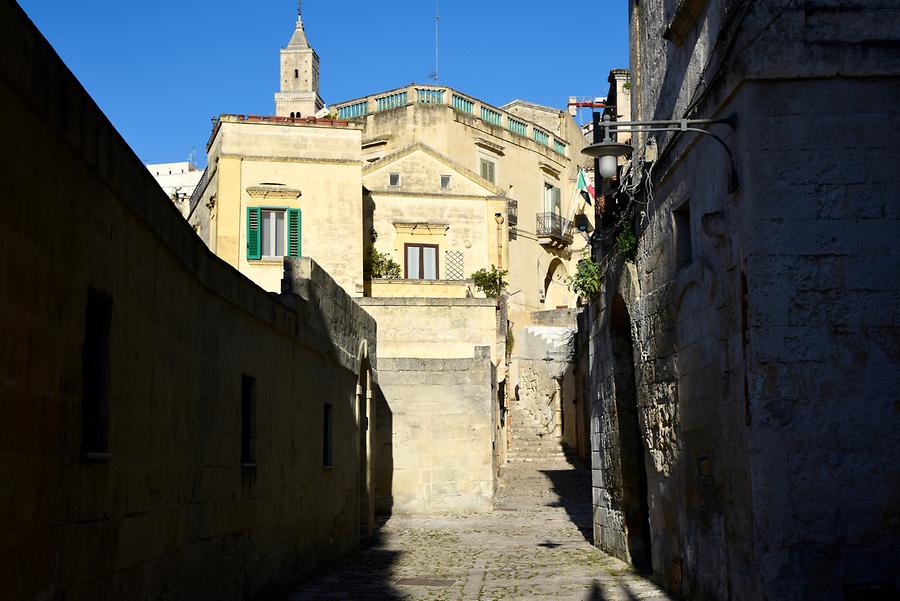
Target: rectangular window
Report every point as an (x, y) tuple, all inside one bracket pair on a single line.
[(95, 359), (681, 222), (394, 180), (248, 420), (327, 436), (273, 233), (552, 200), (272, 230), (421, 261), (445, 182), (489, 170)]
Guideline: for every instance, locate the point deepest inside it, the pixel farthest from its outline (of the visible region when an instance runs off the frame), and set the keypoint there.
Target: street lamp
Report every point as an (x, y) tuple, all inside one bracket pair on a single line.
[(608, 151)]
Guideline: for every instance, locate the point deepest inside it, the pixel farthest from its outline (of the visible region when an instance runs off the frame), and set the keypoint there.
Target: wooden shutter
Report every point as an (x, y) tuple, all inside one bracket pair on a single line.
[(254, 249), (293, 228)]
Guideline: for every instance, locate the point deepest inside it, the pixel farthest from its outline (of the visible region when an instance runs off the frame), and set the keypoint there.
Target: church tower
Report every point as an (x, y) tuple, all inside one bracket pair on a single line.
[(299, 95)]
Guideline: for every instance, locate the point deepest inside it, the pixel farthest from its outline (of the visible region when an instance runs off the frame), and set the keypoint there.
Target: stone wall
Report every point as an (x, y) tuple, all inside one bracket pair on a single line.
[(129, 468), (436, 328), (434, 450), (743, 372)]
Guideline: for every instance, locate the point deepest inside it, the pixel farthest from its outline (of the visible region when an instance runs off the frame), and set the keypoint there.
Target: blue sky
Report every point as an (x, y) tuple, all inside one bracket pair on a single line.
[(160, 70)]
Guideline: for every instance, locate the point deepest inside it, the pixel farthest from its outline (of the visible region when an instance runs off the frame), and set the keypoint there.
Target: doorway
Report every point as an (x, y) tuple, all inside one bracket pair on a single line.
[(635, 506)]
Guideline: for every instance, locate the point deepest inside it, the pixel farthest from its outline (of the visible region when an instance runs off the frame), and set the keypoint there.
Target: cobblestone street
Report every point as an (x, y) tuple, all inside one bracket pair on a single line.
[(535, 545)]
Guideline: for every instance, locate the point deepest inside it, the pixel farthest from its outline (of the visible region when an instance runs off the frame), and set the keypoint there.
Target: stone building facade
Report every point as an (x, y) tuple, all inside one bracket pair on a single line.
[(172, 430), (276, 188), (743, 369)]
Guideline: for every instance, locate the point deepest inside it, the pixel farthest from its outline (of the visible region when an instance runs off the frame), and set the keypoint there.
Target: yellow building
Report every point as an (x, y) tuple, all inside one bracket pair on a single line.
[(441, 165), (279, 187)]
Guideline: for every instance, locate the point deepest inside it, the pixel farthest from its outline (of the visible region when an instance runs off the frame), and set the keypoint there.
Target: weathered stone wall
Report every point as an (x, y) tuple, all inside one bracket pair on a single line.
[(744, 370), (170, 512), (435, 435)]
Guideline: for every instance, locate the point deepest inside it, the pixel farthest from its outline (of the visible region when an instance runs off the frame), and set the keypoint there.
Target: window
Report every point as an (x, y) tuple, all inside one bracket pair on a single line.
[(296, 74), (327, 435), (489, 170), (421, 261), (445, 182), (95, 375), (552, 199), (273, 233), (248, 420), (681, 222), (394, 180)]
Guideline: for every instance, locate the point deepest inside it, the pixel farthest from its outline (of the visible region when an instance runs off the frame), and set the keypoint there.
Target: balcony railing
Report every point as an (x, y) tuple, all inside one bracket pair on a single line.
[(554, 227)]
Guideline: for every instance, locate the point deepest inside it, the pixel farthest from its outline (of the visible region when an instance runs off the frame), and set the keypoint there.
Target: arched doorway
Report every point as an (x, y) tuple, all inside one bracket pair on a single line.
[(556, 292), (634, 502)]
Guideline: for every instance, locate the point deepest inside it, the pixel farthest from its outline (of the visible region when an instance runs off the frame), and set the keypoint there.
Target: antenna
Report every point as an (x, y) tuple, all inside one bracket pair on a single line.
[(437, 21)]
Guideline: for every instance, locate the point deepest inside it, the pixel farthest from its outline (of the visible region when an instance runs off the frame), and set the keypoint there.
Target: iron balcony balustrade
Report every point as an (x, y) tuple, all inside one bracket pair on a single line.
[(554, 229)]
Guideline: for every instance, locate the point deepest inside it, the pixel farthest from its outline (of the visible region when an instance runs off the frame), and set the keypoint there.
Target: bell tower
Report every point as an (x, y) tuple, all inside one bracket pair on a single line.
[(299, 94)]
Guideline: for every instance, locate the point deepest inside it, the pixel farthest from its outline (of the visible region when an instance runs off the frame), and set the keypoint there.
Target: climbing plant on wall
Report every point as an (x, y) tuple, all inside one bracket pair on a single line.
[(587, 278)]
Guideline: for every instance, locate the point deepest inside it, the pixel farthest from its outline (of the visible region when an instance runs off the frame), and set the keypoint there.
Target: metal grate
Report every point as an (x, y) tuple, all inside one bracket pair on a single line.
[(453, 265)]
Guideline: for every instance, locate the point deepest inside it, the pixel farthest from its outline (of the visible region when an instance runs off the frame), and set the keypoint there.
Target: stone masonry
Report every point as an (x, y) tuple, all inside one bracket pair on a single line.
[(171, 430), (744, 369)]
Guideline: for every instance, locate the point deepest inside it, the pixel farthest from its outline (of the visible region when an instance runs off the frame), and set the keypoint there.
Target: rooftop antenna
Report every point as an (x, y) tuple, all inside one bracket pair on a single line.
[(437, 21)]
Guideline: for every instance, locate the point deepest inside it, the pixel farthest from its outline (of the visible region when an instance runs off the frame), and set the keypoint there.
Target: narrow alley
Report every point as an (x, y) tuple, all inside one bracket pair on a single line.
[(534, 545)]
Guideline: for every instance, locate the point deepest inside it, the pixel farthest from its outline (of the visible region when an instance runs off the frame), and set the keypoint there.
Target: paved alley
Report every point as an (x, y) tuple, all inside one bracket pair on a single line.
[(535, 545)]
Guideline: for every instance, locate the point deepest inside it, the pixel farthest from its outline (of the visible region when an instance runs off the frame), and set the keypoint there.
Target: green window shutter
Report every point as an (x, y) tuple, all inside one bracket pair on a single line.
[(294, 229), (254, 249)]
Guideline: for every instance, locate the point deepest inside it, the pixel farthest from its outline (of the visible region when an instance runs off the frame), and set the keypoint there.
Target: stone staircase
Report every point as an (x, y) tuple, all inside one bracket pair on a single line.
[(532, 443)]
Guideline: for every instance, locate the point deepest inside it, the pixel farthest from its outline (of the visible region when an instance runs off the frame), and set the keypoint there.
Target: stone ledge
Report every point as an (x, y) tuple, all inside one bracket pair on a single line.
[(425, 302)]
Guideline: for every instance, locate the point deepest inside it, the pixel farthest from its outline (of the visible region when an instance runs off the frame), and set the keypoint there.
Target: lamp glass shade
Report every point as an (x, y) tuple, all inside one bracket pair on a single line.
[(609, 166)]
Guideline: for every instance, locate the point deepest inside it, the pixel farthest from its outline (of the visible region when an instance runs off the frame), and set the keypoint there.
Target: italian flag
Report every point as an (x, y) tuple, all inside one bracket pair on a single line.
[(586, 191)]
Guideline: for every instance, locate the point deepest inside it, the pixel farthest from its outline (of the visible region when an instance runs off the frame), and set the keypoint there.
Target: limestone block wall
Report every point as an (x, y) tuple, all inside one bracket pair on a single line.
[(168, 505), (743, 372), (434, 451), (435, 328)]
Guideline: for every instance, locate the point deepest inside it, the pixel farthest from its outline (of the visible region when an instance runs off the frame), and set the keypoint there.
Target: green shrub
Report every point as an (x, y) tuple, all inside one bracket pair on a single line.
[(587, 278), (490, 281), (627, 243), (380, 266)]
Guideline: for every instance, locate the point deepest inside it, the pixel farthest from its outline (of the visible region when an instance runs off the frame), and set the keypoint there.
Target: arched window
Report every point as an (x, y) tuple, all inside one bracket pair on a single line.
[(292, 115)]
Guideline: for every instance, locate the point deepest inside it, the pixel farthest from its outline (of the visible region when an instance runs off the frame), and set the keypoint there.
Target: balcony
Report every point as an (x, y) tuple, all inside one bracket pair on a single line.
[(554, 230)]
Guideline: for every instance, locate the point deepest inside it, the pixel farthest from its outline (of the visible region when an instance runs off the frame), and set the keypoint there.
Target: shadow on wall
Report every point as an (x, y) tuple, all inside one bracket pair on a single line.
[(569, 483), (384, 457)]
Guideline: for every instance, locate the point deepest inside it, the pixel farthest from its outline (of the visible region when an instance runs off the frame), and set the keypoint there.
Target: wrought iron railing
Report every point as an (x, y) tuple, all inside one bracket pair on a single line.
[(553, 225)]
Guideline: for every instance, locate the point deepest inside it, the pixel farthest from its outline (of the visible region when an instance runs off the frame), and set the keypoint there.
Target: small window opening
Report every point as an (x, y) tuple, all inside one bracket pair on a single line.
[(248, 420), (394, 179), (95, 359), (292, 115), (445, 182), (327, 432), (684, 252), (296, 74), (488, 170)]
